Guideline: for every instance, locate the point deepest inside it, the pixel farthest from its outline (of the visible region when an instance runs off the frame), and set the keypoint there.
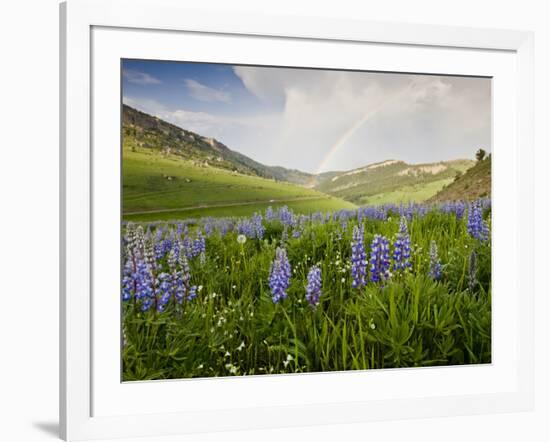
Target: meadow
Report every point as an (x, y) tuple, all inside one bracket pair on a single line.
[(287, 292), (165, 187)]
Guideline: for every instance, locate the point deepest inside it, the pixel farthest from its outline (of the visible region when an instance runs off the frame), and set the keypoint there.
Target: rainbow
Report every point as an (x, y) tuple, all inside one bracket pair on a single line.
[(348, 133)]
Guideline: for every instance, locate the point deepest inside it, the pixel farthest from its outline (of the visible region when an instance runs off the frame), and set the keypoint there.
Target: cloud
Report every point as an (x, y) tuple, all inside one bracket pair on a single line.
[(202, 92), (140, 78), (227, 129), (367, 117), (316, 120)]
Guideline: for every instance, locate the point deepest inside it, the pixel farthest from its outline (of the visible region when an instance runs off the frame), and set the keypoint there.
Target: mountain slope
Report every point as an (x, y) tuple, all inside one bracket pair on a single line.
[(170, 173), (149, 132), (391, 181), (474, 183)]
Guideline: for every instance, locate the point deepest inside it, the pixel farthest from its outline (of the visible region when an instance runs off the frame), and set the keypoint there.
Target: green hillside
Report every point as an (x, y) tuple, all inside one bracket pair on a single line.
[(474, 183), (171, 173), (391, 181), (160, 187), (144, 130)]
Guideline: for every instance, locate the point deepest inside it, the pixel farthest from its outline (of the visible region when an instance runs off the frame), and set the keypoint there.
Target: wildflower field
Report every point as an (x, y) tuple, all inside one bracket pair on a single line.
[(280, 292)]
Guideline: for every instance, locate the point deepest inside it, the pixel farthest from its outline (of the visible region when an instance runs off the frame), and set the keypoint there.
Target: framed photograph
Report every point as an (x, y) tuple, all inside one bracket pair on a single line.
[(327, 221)]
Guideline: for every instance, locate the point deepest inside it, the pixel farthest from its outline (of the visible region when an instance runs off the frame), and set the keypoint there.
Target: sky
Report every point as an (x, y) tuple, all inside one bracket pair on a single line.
[(317, 120)]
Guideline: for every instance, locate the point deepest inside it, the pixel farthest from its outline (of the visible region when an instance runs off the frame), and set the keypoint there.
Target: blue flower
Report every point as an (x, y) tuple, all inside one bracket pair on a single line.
[(279, 275), (358, 258), (209, 227), (286, 216), (313, 288), (192, 294), (143, 279), (127, 281), (435, 265), (199, 245), (269, 214), (257, 226), (284, 235), (379, 259), (402, 248), (163, 291), (477, 227), (183, 291)]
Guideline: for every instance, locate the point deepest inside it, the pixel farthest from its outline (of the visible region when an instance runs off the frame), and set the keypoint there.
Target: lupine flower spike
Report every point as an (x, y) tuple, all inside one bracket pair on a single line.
[(402, 248), (379, 259), (313, 288), (435, 264), (279, 275), (477, 227), (358, 259)]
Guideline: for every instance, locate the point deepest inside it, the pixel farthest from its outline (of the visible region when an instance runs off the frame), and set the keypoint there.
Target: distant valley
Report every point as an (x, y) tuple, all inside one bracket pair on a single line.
[(171, 172)]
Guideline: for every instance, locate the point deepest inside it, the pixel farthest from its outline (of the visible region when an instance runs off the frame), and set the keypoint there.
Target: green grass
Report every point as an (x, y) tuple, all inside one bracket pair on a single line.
[(232, 327), (473, 184), (406, 194), (153, 182), (393, 183), (326, 203)]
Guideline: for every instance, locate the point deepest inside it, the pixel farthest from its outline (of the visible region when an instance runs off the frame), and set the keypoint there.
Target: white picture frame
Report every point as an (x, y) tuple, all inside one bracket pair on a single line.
[(90, 404)]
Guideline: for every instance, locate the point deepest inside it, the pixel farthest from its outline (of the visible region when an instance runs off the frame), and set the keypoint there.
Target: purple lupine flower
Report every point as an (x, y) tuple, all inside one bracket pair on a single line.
[(358, 258), (182, 281), (460, 207), (317, 217), (279, 275), (286, 216), (139, 241), (477, 227), (269, 214), (435, 264), (313, 288), (209, 227), (165, 247), (144, 285), (163, 291), (257, 225), (130, 238), (127, 281), (192, 294), (172, 259), (284, 235), (402, 248), (379, 259), (245, 227), (199, 245), (186, 247), (149, 253)]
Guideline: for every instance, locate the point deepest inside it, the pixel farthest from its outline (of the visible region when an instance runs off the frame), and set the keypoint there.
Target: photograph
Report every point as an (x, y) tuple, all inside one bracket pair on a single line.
[(283, 220)]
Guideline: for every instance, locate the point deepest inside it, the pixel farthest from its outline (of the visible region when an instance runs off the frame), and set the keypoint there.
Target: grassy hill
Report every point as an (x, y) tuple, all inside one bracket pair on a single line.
[(474, 183), (151, 133), (171, 173), (165, 186), (391, 181)]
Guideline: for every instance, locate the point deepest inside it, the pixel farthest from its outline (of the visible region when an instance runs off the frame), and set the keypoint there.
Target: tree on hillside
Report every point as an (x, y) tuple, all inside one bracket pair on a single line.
[(480, 154)]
